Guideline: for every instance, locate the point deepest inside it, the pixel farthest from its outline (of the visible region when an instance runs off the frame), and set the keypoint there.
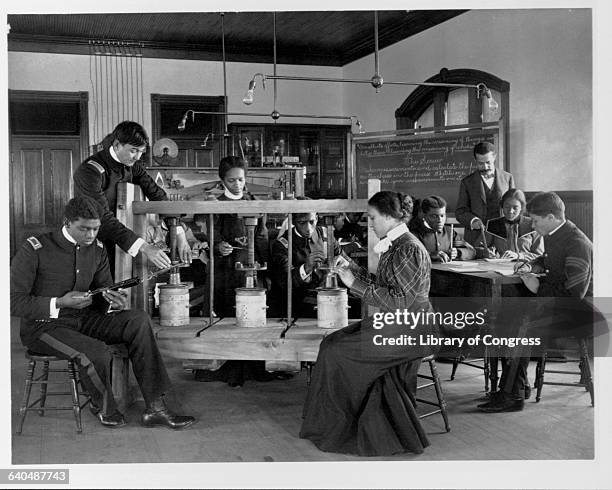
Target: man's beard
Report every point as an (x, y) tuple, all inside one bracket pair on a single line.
[(487, 173)]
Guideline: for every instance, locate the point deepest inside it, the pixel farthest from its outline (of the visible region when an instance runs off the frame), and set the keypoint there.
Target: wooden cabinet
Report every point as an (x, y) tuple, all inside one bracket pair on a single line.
[(321, 150)]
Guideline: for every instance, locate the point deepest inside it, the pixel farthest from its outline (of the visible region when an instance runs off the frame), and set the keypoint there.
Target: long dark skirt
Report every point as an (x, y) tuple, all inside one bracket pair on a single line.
[(361, 399)]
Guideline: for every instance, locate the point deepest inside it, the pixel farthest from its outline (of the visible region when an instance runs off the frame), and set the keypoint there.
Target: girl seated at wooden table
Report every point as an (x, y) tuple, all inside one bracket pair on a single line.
[(511, 236)]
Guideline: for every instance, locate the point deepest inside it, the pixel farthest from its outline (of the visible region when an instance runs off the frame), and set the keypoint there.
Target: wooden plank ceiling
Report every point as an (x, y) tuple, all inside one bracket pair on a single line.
[(329, 38)]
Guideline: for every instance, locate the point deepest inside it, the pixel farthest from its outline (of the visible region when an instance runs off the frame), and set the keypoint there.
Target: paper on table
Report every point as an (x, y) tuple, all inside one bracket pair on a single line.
[(472, 268), (499, 260), (505, 272)]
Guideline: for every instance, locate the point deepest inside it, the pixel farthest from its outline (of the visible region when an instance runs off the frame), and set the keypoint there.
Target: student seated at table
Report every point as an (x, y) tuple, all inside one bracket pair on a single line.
[(430, 229), (565, 271), (512, 235), (348, 229), (309, 251)]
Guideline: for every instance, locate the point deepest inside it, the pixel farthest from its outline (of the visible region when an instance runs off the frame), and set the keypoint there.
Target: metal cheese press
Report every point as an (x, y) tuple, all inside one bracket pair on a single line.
[(174, 296), (250, 299), (332, 300)]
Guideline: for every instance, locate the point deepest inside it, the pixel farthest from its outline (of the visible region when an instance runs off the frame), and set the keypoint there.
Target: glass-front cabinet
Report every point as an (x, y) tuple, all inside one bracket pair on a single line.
[(321, 150)]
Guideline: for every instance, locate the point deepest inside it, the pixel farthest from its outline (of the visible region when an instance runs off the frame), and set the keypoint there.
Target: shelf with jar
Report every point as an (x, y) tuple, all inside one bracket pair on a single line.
[(319, 149)]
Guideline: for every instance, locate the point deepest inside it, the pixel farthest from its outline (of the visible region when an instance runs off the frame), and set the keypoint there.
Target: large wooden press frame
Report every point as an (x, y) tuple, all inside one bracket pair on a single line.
[(211, 338)]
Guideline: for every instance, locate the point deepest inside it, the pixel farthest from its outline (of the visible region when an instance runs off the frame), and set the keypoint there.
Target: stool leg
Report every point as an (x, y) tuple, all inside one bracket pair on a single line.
[(26, 395), (438, 386), (308, 373), (585, 371), (541, 366), (455, 364), (76, 404), (43, 388)]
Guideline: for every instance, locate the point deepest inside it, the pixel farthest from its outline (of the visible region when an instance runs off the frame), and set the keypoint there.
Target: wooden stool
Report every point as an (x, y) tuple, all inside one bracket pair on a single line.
[(435, 382), (43, 380), (584, 371)]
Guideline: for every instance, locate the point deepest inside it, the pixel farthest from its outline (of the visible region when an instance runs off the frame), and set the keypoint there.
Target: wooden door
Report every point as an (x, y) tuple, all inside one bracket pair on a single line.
[(41, 184)]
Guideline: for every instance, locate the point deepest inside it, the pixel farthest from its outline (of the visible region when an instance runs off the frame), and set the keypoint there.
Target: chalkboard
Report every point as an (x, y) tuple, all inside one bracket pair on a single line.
[(420, 164)]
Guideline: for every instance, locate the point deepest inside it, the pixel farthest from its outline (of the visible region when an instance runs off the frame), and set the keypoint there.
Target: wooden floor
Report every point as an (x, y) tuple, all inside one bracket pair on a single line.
[(260, 422)]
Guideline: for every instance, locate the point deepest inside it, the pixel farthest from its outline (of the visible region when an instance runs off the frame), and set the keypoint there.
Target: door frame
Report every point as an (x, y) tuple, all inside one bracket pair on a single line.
[(43, 96)]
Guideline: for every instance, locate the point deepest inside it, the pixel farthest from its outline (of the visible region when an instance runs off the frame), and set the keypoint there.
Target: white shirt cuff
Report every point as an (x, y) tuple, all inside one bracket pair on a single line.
[(135, 248), (53, 310), (305, 277), (342, 262)]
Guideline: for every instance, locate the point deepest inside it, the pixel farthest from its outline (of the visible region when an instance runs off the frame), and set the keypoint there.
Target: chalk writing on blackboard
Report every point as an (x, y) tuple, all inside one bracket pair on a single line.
[(419, 165)]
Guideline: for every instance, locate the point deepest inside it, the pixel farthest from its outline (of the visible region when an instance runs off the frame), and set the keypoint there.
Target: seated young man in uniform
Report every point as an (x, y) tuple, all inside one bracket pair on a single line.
[(429, 228), (565, 271), (50, 278), (309, 252)]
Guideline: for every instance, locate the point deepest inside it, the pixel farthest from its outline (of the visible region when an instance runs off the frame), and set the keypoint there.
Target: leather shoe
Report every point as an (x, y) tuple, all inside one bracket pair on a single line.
[(165, 418), (504, 405), (114, 420), (492, 398)]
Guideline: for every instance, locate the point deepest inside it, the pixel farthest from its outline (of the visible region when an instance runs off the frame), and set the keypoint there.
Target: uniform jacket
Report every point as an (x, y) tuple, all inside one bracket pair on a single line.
[(97, 177), (302, 248), (49, 266), (529, 243), (472, 200), (436, 242), (567, 262)]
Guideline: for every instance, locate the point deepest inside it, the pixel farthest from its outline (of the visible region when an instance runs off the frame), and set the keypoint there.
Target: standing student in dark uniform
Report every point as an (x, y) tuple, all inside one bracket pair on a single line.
[(480, 193), (98, 176), (50, 277), (512, 236), (230, 247), (309, 247), (430, 229)]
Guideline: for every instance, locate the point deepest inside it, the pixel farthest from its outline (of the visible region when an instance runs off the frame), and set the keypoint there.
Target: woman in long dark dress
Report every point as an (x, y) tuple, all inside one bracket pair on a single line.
[(361, 399)]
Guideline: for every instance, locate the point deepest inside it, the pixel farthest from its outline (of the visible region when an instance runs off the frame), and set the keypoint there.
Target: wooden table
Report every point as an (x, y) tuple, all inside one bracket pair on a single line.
[(452, 280), (224, 340)]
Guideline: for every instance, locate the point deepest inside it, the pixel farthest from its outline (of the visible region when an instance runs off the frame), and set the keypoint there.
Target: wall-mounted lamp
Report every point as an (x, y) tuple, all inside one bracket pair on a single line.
[(274, 115), (181, 126), (484, 90), (357, 123), (248, 97)]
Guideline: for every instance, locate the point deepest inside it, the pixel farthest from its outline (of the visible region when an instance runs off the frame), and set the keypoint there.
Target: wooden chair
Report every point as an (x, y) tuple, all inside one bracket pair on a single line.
[(584, 371), (434, 380)]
